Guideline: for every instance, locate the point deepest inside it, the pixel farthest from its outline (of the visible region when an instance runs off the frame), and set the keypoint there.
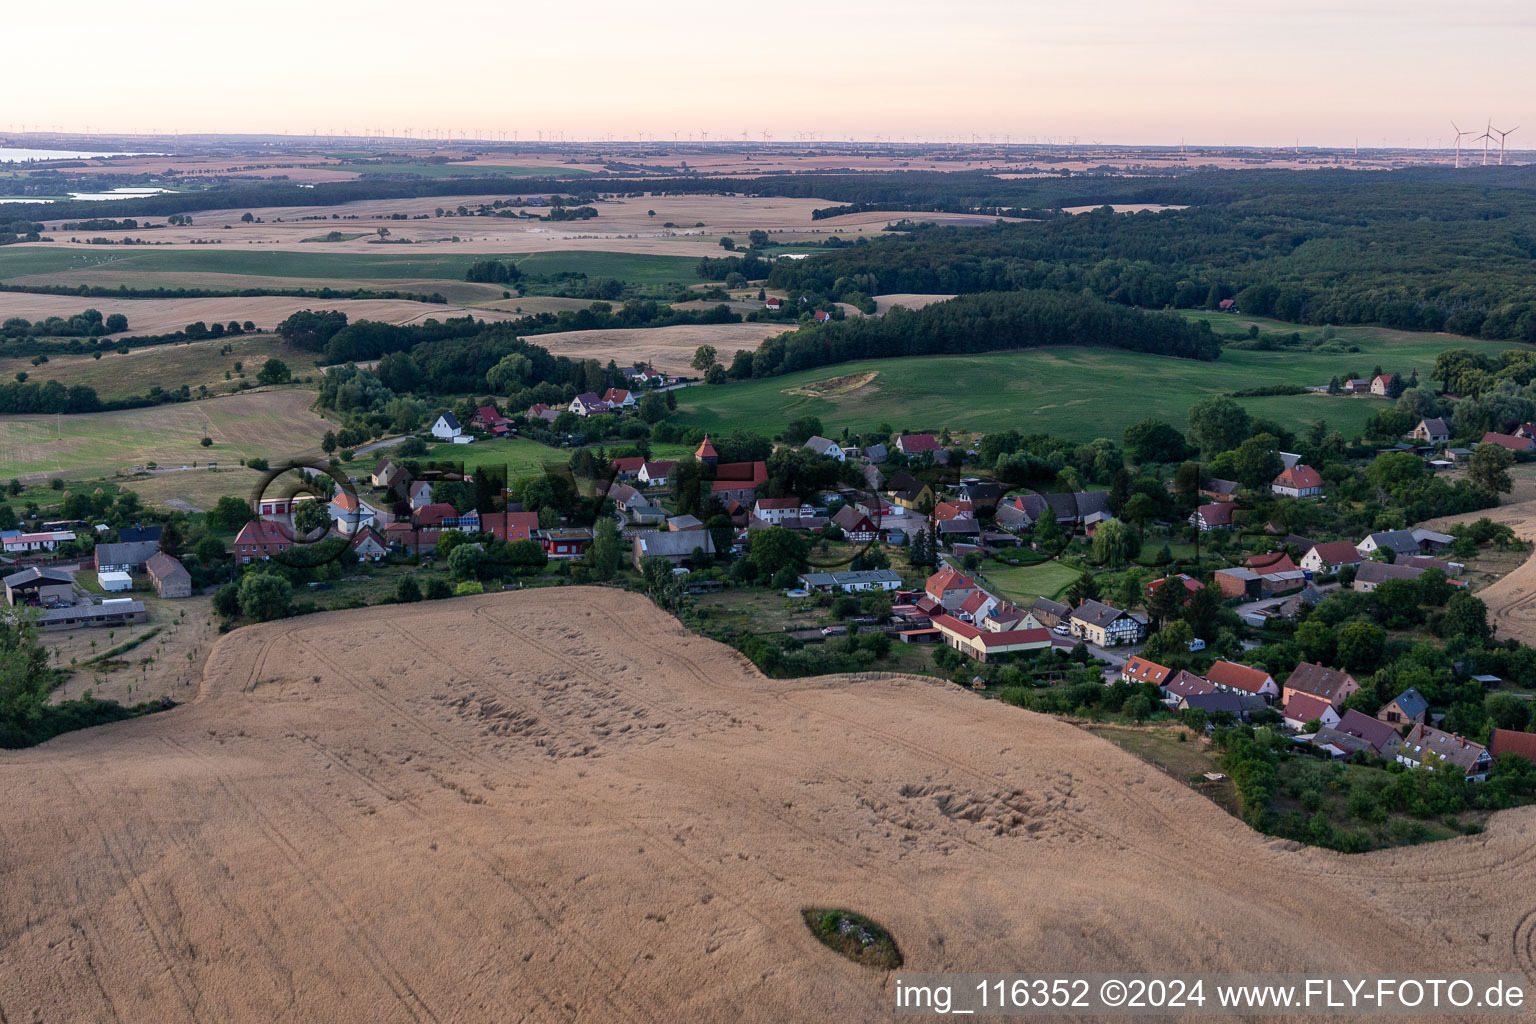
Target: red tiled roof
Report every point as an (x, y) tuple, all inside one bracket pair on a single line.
[(436, 512), (1338, 552), (1144, 671), (948, 579), (1272, 562), (1513, 443), (264, 531), (706, 450), (918, 443), (1507, 741), (1303, 707), (975, 602), (629, 463), (1005, 638), (1237, 677), (1300, 476), (778, 502), (1217, 513), (1190, 583)]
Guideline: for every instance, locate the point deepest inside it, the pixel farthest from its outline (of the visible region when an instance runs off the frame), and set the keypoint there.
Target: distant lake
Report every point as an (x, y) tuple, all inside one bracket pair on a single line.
[(126, 192), (55, 154)]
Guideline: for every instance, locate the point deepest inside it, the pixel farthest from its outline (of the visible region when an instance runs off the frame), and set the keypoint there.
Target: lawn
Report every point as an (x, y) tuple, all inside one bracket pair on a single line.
[(1022, 584), (524, 457), (269, 424), (195, 363), (1080, 393), (1186, 761)]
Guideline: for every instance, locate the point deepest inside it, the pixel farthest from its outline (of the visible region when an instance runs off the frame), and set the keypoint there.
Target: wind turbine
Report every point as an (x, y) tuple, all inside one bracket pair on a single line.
[(1459, 134), (1486, 138), (1502, 136)]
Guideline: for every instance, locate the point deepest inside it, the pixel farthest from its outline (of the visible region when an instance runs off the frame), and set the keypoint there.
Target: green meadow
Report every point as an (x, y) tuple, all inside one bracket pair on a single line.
[(1071, 392)]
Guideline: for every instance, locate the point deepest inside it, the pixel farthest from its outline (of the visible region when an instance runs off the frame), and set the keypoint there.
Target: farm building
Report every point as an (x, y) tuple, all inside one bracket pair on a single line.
[(676, 548), (169, 576), (983, 645), (39, 586), (114, 581), (863, 580), (127, 556), (114, 612)]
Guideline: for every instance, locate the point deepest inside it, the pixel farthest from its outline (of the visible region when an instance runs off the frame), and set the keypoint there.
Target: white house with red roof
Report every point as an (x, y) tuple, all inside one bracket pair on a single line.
[(486, 418), (368, 546), (773, 304), (1300, 481), (823, 316), (1510, 441), (627, 467), (588, 404), (1312, 680), (1331, 557), (1380, 384), (949, 588), (916, 444), (1302, 708), (654, 474), (351, 513), (774, 511), (618, 398), (510, 526), (983, 645), (1235, 678), (975, 608), (1142, 670)]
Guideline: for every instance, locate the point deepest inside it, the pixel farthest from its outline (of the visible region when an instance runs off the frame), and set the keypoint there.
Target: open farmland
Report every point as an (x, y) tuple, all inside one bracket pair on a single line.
[(668, 349), (267, 424), (1079, 393), (545, 800), (166, 316), (199, 363)]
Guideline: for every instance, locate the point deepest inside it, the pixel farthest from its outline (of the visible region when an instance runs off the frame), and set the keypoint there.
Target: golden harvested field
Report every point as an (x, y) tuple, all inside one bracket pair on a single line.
[(119, 375), (561, 806), (166, 316), (885, 303), (669, 349)]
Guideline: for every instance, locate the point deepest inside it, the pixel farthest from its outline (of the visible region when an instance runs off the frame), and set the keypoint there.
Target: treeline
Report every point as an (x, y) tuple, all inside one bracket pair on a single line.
[(20, 231), (88, 323), (989, 322), (31, 397), (1398, 253), (106, 224), (124, 292)]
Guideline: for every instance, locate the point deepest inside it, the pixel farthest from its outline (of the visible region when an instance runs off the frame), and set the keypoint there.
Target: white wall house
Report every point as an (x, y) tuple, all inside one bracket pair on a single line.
[(447, 427)]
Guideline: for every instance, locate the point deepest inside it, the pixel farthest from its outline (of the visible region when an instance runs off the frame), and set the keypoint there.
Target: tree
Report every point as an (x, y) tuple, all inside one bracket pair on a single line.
[(229, 514), (264, 596), (226, 600), (274, 371), (606, 551), (703, 358), (309, 516), (1152, 440), (407, 590), (328, 443), (209, 550), (1316, 640), (715, 375), (246, 217), (776, 548), (1084, 588), (1466, 615), (382, 232), (1489, 468), (802, 430), (653, 407), (1218, 424), (1508, 711), (438, 588), (1166, 601), (728, 244), (1114, 542), (757, 238), (1257, 461), (1203, 613), (1137, 707), (1360, 646)]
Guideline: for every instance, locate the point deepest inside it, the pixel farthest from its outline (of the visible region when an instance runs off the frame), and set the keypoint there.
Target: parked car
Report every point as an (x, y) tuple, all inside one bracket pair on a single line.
[(1063, 629), (1195, 645), (834, 630)]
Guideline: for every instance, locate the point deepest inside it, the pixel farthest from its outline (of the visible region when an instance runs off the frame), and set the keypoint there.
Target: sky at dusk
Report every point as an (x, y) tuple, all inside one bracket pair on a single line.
[(1116, 71)]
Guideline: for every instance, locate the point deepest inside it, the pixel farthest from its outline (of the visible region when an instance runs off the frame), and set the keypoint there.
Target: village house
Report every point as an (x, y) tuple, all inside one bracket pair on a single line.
[(126, 556), (36, 586), (1185, 684), (1183, 579), (1455, 752), (1002, 617), (260, 539), (1230, 676), (685, 523), (587, 404), (1510, 441), (949, 588), (1356, 732), (1302, 708), (46, 540), (385, 474), (1380, 384), (1509, 743), (1432, 431), (1408, 707), (488, 420), (827, 447), (419, 494), (774, 511), (1047, 614), (822, 316), (442, 516), (856, 525), (169, 577), (618, 399), (674, 548), (1217, 489), (510, 526), (542, 412), (773, 304), (1240, 706), (1373, 574), (855, 581), (1139, 670), (654, 474), (627, 467), (916, 444), (1105, 625), (1329, 558), (975, 608), (368, 546), (446, 427), (909, 492), (1326, 684), (1215, 516), (350, 513), (1300, 481), (987, 646), (567, 542)]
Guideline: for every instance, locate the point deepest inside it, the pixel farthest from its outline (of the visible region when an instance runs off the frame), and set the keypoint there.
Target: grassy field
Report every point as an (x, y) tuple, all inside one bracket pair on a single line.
[(195, 363), (521, 456), (199, 267), (268, 424), (1022, 584), (1079, 393)]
